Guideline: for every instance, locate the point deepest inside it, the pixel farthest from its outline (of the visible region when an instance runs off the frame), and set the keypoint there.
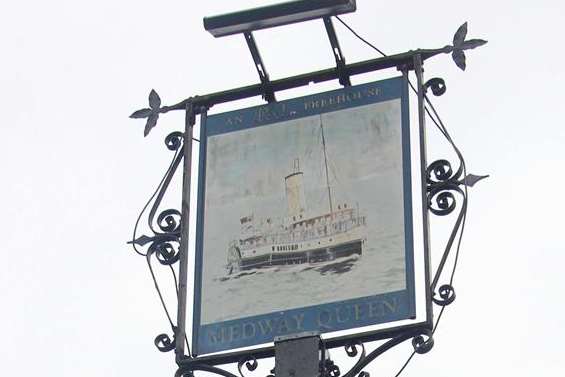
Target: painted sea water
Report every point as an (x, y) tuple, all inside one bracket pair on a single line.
[(244, 176)]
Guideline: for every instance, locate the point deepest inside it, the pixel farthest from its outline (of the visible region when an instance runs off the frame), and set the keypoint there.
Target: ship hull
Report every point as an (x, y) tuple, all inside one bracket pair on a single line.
[(300, 257)]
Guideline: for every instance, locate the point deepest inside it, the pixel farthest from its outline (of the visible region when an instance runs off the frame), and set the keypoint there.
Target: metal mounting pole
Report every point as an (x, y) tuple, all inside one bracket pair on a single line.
[(298, 356)]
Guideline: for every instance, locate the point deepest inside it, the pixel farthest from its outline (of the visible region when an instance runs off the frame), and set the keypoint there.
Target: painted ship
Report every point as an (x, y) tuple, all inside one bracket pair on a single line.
[(300, 237)]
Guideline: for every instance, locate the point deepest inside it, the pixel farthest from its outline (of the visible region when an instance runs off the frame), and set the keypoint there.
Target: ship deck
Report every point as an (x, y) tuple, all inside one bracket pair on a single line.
[(306, 256)]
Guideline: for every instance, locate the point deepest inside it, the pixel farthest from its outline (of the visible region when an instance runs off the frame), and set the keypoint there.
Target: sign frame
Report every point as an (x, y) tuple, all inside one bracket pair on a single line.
[(336, 341)]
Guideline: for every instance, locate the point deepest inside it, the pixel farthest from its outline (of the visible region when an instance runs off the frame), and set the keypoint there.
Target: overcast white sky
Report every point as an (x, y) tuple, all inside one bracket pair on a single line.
[(76, 301)]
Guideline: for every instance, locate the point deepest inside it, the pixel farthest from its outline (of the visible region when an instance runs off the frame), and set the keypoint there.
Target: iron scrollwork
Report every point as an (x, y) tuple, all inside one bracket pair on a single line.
[(422, 341), (164, 343), (250, 363), (329, 368), (446, 295), (165, 240), (437, 86), (442, 182), (165, 227)]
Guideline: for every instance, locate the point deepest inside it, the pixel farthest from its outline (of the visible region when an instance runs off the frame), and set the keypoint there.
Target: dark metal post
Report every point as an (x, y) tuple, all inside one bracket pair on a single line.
[(183, 261), (298, 357), (419, 70)]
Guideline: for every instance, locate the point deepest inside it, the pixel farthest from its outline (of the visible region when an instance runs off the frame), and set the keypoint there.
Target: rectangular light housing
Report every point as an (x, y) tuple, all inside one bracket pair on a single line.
[(275, 15)]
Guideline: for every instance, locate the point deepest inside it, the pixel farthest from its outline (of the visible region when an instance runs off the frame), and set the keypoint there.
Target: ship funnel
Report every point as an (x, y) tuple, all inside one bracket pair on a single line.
[(295, 192)]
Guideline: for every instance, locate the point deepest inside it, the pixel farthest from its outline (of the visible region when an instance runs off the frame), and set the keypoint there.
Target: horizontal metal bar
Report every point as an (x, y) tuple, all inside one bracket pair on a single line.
[(265, 352), (404, 60)]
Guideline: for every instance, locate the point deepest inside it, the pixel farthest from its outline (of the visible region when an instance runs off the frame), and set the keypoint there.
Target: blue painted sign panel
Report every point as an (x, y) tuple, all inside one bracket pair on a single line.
[(304, 220)]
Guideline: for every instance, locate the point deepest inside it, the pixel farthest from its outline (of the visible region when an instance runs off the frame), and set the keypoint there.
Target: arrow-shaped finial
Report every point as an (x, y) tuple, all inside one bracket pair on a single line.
[(471, 179)]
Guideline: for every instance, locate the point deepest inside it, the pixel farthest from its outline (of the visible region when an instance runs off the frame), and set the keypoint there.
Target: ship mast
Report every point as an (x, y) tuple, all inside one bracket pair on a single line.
[(326, 165)]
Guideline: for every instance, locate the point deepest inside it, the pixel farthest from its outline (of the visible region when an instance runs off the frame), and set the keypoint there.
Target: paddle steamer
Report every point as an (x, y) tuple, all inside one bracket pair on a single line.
[(297, 238)]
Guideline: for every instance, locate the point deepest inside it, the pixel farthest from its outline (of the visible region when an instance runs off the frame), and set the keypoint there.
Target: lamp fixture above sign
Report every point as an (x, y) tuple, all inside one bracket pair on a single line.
[(275, 15)]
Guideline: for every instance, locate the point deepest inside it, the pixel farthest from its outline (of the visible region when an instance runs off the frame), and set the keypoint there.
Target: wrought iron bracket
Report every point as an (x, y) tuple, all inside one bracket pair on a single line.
[(421, 339), (165, 227), (268, 93), (164, 230), (338, 55)]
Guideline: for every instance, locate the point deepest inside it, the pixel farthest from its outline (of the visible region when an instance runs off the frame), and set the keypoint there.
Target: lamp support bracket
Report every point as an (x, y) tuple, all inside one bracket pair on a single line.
[(338, 55), (268, 93)]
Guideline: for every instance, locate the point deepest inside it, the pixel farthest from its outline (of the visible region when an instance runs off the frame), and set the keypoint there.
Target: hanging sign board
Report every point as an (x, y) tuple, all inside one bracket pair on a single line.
[(305, 217)]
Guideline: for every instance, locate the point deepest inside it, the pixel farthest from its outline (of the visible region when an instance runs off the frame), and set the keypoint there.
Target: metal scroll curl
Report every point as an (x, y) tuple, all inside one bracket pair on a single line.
[(356, 348), (353, 349), (441, 182), (423, 343), (169, 221), (164, 343), (174, 140), (250, 363), (437, 86), (166, 248), (446, 295), (330, 369)]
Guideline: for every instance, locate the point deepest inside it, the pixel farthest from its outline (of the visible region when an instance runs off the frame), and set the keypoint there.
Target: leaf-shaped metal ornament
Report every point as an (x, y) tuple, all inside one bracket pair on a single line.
[(460, 44), (154, 100), (472, 43), (151, 122), (471, 179), (460, 35), (459, 58), (143, 113)]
